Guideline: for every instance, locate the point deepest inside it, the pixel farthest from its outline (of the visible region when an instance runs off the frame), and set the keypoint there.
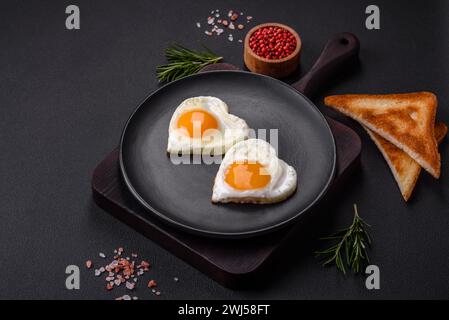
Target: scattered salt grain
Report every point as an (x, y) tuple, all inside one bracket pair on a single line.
[(126, 297), (130, 285), (175, 279), (152, 284), (235, 21), (122, 270)]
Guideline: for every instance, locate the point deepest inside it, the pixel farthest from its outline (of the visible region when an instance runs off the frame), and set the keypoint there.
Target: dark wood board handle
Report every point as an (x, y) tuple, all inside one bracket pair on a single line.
[(339, 51)]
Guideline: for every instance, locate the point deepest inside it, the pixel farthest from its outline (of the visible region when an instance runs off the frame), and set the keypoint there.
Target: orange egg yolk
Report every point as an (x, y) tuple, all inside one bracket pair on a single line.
[(198, 120), (247, 176)]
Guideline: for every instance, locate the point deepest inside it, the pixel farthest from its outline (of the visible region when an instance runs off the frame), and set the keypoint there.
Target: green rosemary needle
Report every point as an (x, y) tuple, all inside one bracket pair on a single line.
[(351, 247), (184, 62)]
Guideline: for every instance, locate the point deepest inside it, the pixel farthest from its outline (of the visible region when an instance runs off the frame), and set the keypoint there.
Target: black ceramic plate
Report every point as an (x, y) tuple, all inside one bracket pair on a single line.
[(181, 194)]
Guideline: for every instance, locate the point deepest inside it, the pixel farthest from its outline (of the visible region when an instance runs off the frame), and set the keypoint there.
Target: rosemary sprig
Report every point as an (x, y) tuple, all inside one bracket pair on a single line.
[(183, 62), (351, 248)]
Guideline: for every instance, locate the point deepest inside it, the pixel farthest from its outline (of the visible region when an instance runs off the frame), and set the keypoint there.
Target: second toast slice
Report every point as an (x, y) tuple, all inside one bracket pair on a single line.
[(405, 170)]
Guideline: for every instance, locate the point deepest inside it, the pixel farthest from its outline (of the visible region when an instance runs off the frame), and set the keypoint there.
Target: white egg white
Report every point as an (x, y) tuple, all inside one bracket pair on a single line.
[(283, 176), (231, 129)]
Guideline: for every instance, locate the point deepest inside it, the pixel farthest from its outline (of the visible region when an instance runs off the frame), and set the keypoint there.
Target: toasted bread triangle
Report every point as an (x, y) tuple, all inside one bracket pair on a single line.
[(405, 170), (407, 120)]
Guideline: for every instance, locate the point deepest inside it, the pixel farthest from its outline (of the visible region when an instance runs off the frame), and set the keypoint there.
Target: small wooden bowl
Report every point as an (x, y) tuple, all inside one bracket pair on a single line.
[(279, 68)]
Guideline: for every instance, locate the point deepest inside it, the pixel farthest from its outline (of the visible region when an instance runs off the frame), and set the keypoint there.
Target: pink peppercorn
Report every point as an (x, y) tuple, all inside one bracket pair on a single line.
[(272, 42)]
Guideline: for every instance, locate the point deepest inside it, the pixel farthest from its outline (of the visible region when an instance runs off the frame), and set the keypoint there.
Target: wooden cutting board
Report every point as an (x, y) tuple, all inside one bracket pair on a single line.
[(232, 263), (236, 263)]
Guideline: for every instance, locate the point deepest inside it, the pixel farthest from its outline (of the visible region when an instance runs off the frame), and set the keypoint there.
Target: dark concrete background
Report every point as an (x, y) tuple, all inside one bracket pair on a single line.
[(65, 95)]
